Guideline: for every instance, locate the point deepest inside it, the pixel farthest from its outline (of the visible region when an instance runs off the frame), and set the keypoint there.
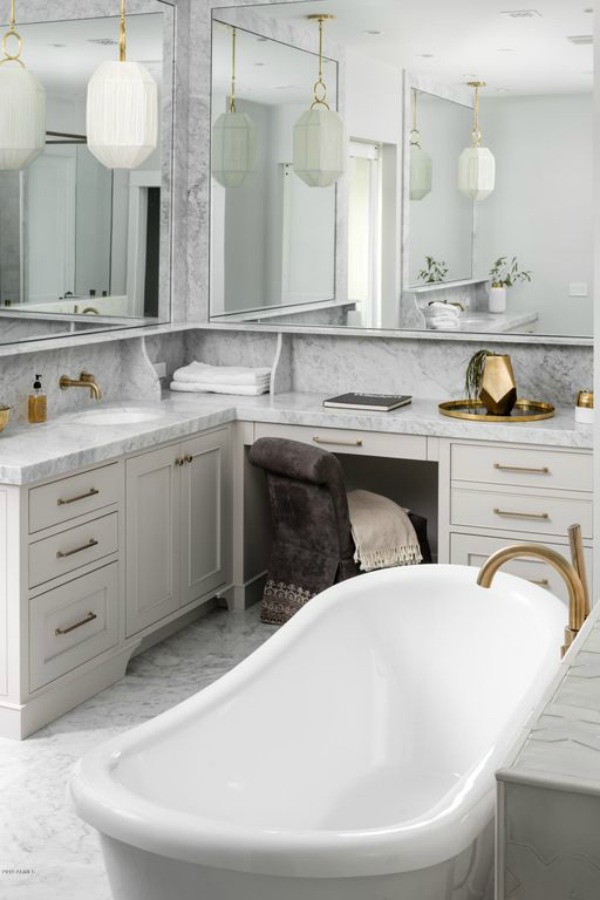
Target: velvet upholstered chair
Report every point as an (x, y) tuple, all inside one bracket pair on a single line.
[(313, 546)]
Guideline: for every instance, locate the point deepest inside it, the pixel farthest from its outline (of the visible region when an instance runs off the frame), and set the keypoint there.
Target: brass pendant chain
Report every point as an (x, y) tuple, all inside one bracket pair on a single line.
[(233, 56), (319, 87), (123, 35), (12, 33)]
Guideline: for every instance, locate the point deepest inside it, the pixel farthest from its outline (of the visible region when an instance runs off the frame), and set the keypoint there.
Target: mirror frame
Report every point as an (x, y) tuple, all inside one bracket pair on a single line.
[(42, 11)]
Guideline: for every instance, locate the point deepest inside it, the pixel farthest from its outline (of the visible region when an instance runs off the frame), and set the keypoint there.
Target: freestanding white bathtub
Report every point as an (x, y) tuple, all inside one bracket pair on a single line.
[(351, 757)]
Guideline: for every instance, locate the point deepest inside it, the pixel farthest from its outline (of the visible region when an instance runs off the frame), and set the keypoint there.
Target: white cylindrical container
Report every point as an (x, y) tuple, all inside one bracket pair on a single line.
[(584, 407), (497, 301)]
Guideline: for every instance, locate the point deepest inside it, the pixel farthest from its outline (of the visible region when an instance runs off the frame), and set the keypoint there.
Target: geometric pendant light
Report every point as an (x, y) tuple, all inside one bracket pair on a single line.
[(233, 145), (421, 166), (122, 110), (476, 164), (22, 106), (319, 146)]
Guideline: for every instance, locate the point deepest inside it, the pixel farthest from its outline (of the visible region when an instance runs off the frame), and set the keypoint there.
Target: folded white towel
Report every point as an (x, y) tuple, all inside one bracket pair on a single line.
[(202, 373), (383, 534), (250, 390)]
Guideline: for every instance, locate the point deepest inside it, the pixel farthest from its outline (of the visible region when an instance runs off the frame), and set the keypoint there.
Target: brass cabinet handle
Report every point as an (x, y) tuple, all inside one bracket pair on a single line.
[(543, 470), (520, 515), (338, 443), (64, 554), (91, 493), (188, 458), (543, 582), (89, 618), (179, 461)]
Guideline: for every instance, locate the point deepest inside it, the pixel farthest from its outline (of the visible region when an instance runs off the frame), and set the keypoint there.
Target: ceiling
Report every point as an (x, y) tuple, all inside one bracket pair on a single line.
[(467, 40), (64, 55)]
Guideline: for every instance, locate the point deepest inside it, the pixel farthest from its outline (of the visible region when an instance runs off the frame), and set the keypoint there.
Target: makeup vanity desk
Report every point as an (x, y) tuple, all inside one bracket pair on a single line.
[(113, 535)]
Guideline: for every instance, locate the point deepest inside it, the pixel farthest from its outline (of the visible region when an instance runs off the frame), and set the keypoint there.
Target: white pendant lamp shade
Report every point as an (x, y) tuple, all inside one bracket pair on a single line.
[(476, 173), (233, 148), (122, 114), (319, 144), (421, 173), (22, 117), (476, 164), (319, 147)]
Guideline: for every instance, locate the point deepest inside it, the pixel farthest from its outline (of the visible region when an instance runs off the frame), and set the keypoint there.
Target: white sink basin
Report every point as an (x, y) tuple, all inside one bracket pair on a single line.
[(125, 416)]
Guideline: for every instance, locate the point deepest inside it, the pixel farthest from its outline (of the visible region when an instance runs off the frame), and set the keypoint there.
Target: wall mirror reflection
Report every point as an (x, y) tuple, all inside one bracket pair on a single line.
[(513, 258), (272, 234), (84, 247)]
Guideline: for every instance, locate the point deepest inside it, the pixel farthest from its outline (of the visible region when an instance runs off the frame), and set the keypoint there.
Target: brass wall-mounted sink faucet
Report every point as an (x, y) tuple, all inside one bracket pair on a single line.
[(85, 380), (579, 607)]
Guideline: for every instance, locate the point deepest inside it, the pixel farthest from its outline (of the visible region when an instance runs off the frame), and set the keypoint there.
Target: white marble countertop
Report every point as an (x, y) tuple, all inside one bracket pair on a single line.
[(30, 453)]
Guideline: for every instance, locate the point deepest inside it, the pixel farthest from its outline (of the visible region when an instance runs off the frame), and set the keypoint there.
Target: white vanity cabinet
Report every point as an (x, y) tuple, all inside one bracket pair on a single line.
[(499, 494), (178, 520)]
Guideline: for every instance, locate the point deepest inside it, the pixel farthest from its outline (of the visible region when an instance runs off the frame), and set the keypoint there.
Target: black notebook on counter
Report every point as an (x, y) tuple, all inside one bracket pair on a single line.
[(375, 402)]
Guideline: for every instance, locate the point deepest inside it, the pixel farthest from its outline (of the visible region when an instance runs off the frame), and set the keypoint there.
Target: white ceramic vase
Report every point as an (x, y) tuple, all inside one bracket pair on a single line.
[(497, 302)]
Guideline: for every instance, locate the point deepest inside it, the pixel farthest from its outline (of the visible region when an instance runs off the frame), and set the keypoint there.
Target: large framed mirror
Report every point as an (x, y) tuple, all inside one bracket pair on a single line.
[(397, 257), (85, 248)]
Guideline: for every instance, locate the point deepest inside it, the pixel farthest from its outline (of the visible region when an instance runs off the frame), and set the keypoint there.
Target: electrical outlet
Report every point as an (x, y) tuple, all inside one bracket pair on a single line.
[(577, 289), (161, 369)]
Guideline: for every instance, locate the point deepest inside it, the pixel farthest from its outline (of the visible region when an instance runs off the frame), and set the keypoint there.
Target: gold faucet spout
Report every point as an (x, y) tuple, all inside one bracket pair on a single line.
[(85, 380), (578, 603)]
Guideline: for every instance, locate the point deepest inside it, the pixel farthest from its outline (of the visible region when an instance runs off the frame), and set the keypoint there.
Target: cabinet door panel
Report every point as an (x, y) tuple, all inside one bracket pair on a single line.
[(153, 537), (206, 503)]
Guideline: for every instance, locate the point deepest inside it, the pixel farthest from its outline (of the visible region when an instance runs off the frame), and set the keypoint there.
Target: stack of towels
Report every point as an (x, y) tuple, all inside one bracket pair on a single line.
[(440, 316), (202, 378)]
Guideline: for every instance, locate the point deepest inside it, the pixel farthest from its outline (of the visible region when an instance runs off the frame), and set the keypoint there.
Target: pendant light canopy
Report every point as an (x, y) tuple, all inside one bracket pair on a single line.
[(122, 110), (233, 154), (319, 133), (476, 164), (22, 106), (421, 166)]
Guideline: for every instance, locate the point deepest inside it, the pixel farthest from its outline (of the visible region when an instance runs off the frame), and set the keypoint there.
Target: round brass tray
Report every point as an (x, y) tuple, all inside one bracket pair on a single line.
[(475, 411)]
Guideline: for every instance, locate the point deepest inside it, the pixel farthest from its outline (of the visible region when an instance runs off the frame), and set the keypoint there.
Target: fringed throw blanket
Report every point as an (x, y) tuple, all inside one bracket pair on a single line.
[(383, 534)]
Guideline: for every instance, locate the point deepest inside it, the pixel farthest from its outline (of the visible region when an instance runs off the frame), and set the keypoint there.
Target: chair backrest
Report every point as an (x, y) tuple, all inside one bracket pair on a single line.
[(309, 506)]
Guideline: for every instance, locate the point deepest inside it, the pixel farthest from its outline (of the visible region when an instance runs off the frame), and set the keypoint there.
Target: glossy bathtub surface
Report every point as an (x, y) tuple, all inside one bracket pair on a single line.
[(362, 737)]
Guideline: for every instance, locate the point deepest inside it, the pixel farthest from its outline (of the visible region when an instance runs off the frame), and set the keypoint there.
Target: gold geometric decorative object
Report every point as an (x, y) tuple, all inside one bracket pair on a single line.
[(498, 387)]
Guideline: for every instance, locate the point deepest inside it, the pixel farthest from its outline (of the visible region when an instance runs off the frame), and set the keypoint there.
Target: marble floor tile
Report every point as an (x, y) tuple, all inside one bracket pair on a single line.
[(46, 851)]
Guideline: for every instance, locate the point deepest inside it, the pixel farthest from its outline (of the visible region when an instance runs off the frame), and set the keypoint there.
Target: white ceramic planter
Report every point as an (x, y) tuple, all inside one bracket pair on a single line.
[(497, 301)]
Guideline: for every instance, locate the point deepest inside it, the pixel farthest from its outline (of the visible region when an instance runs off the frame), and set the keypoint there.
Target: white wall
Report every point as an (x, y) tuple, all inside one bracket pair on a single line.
[(373, 110), (542, 209)]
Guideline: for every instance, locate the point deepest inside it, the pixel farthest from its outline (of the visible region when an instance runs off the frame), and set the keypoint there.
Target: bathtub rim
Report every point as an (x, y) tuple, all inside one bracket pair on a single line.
[(117, 811)]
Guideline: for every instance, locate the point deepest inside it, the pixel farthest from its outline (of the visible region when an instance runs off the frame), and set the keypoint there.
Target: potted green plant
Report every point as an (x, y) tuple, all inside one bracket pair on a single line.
[(434, 272), (489, 377), (503, 274)]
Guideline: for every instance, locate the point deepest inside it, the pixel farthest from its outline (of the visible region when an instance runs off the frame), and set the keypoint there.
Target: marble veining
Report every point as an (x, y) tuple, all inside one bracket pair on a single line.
[(32, 453), (57, 854)]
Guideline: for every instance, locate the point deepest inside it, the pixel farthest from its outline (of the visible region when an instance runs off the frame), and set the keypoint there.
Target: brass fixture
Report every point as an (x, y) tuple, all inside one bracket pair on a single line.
[(585, 399), (578, 603), (476, 135), (578, 559), (319, 87), (4, 416), (85, 380), (90, 309)]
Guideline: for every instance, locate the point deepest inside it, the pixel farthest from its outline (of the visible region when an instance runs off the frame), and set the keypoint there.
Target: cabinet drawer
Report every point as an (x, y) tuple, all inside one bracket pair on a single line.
[(535, 514), (59, 501), (523, 467), (473, 550), (73, 548), (72, 624), (339, 440)]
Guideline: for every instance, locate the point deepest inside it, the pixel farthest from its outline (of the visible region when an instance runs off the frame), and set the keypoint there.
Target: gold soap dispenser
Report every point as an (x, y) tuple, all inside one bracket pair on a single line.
[(37, 405)]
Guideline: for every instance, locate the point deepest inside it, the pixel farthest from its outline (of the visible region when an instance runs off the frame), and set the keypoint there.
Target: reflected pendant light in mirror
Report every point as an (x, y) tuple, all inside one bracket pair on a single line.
[(22, 105), (233, 153), (122, 110), (319, 149), (421, 166), (476, 164)]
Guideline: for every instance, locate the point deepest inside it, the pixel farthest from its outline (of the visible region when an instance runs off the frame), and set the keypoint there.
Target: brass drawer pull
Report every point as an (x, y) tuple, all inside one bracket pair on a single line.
[(319, 440), (544, 470), (520, 515), (179, 461), (89, 618), (188, 458), (64, 554), (91, 493), (543, 582)]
